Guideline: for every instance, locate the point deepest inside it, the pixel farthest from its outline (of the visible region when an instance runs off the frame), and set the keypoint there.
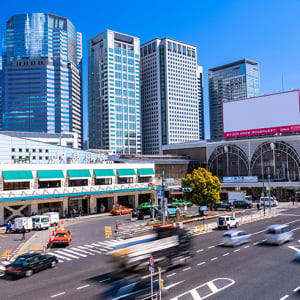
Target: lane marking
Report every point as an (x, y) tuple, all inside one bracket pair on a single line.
[(237, 250), (296, 289), (226, 254), (171, 274), (59, 256), (294, 248), (195, 295), (6, 252), (87, 248), (210, 247), (202, 263), (214, 258), (212, 286), (254, 244), (2, 268), (186, 269), (81, 250), (284, 297), (246, 246), (105, 279), (63, 253), (74, 252), (56, 295), (172, 285), (199, 250), (82, 287)]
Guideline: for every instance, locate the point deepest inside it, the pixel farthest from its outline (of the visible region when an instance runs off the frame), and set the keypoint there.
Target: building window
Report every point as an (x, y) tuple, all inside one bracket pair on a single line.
[(33, 150), (46, 150), (40, 157), (20, 149), (33, 157), (40, 150), (13, 150), (27, 150)]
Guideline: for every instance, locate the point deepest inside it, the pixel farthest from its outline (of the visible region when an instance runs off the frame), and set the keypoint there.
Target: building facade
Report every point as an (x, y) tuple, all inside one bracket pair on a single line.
[(114, 106), (171, 94), (233, 81), (42, 75)]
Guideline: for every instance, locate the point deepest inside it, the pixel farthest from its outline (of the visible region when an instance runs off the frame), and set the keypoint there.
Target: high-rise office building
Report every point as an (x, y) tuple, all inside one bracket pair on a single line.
[(114, 106), (233, 81), (42, 76), (171, 94)]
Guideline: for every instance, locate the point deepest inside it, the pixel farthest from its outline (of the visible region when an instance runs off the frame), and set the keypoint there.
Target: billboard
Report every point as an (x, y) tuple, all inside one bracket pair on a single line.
[(270, 114)]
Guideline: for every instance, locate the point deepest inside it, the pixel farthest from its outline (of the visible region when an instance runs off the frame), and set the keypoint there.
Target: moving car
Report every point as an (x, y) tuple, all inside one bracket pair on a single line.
[(268, 201), (241, 204), (62, 237), (235, 238), (173, 211), (181, 202), (144, 213), (222, 206), (29, 263), (121, 210), (130, 289), (278, 234), (227, 222)]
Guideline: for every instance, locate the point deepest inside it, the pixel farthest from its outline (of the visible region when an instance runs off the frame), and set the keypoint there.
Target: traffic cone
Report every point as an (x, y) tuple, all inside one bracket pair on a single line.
[(50, 239), (44, 249), (53, 233), (62, 222), (58, 226), (55, 229)]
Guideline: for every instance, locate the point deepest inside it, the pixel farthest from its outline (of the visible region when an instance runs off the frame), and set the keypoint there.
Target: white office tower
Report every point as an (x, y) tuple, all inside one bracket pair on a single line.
[(114, 93), (170, 94)]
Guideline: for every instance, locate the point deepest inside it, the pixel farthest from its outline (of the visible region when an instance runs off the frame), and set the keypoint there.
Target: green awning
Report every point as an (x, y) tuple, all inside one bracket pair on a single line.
[(104, 173), (79, 174), (126, 172), (50, 175), (146, 172), (17, 176)]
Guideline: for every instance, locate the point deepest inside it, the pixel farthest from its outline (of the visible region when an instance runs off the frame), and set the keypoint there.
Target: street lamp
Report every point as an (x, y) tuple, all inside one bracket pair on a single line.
[(226, 151)]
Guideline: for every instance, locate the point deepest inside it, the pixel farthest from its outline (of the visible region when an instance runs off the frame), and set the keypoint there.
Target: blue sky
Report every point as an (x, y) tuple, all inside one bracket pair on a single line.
[(223, 31)]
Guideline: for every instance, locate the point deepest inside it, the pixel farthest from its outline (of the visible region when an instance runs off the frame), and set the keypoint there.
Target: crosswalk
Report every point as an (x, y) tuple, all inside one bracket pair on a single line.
[(78, 252)]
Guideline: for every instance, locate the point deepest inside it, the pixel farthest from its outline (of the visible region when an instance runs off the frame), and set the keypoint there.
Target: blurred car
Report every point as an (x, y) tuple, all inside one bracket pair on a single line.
[(146, 204), (297, 256), (130, 289), (241, 204), (181, 202), (144, 213), (222, 206), (268, 201), (278, 234), (29, 263), (62, 237), (121, 210), (235, 238), (173, 211)]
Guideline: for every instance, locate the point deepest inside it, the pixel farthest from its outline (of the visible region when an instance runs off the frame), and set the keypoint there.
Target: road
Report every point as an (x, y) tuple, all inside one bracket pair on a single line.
[(252, 271)]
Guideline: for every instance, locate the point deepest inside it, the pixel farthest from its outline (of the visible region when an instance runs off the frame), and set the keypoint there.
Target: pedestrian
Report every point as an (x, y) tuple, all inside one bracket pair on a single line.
[(23, 233), (293, 200), (257, 206), (79, 212), (7, 227), (102, 207)]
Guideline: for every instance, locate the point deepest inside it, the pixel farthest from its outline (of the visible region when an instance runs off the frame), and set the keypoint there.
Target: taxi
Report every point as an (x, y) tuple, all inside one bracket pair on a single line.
[(62, 237), (121, 210), (181, 202)]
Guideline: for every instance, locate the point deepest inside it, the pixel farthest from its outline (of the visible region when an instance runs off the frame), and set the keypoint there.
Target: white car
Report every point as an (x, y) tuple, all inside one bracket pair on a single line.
[(227, 222), (235, 238), (278, 234), (268, 201)]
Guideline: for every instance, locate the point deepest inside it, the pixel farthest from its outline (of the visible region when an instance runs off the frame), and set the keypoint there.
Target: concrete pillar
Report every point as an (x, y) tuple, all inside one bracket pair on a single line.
[(93, 204), (2, 214), (34, 207), (115, 200), (136, 200)]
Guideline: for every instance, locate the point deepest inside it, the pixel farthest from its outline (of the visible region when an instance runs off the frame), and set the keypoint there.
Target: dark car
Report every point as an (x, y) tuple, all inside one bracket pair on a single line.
[(29, 263), (222, 206), (241, 204), (144, 213), (130, 289)]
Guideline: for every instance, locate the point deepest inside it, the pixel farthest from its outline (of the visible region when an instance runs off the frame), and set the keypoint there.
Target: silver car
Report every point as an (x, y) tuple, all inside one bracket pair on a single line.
[(235, 238)]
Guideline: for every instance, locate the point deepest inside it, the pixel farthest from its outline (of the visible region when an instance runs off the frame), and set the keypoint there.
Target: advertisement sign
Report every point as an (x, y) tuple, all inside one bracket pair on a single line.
[(240, 179)]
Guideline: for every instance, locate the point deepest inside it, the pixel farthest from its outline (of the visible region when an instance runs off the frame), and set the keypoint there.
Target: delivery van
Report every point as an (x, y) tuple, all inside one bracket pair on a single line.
[(22, 221), (53, 217), (40, 222)]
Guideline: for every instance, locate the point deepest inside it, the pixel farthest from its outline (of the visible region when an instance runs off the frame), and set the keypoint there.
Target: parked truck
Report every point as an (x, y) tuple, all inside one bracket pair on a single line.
[(168, 246)]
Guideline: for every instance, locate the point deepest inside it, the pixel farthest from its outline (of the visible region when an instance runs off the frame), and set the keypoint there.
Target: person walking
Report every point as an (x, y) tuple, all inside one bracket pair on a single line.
[(23, 233)]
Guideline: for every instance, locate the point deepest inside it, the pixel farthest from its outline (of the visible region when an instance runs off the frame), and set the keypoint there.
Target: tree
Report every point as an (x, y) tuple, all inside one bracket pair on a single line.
[(205, 187)]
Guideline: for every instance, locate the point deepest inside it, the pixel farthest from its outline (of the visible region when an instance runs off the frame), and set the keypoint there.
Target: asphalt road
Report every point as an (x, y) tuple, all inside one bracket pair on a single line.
[(252, 271)]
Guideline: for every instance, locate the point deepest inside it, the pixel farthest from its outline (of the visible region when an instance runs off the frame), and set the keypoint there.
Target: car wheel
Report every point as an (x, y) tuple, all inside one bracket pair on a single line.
[(28, 273), (120, 213), (236, 225), (228, 227), (53, 264)]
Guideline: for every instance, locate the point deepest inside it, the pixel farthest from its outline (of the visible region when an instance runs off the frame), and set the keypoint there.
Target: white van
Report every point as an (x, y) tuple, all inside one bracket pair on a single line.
[(40, 222), (268, 201), (53, 217), (22, 221), (278, 234)]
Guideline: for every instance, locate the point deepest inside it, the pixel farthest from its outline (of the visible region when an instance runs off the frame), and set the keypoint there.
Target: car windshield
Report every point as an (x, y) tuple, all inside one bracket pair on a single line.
[(271, 231), (61, 234), (21, 260), (227, 235)]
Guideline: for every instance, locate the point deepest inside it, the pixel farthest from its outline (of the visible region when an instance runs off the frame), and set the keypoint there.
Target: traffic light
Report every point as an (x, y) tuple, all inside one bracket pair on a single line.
[(186, 190)]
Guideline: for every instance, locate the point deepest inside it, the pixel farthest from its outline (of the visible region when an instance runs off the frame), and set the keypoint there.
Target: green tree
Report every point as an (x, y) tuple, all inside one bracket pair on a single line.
[(205, 187)]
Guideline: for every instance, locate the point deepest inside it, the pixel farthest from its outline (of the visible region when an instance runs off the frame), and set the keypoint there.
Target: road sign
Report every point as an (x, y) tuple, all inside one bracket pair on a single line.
[(159, 193), (151, 269), (151, 261)]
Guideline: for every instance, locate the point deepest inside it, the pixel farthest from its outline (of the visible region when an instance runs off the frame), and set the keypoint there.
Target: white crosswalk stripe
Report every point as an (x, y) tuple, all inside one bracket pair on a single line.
[(67, 254), (59, 256), (89, 248), (74, 252), (80, 250)]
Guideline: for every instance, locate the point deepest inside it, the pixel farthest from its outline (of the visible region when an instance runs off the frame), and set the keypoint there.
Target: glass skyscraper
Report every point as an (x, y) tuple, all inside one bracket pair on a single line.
[(114, 107), (171, 94), (233, 81), (42, 75)]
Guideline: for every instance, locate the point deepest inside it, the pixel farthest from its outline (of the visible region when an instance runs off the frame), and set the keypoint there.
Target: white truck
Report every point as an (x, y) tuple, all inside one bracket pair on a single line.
[(234, 196), (53, 218), (23, 221)]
